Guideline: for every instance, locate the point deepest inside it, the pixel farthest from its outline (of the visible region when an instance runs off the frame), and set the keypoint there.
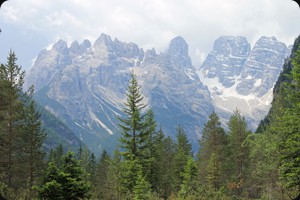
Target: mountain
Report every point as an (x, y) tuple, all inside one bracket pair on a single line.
[(284, 77), (84, 85), (239, 77), (57, 132)]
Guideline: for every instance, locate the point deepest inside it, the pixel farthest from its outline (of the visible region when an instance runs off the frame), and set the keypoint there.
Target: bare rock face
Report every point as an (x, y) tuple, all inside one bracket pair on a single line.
[(239, 77), (227, 59), (263, 66), (84, 85)]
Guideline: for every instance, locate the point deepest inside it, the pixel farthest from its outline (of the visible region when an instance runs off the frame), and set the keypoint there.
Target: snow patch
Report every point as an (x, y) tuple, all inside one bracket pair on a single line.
[(258, 82), (95, 118)]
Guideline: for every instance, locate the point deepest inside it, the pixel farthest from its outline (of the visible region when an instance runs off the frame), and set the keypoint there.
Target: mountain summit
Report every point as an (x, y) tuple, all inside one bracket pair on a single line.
[(239, 77), (84, 85)]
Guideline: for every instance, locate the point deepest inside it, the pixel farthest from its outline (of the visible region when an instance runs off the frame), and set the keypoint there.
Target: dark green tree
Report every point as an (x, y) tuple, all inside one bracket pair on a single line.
[(211, 156), (66, 182), (149, 153), (92, 167), (31, 155), (238, 152), (189, 183), (290, 126), (142, 188), (114, 177), (183, 152), (12, 79), (101, 176), (168, 169), (132, 126), (56, 155)]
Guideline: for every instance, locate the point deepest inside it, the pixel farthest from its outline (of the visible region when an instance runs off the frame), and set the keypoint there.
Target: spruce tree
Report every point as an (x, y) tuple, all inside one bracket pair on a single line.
[(66, 182), (31, 155), (289, 160), (142, 188), (183, 152), (168, 172), (102, 176), (189, 183), (149, 153), (211, 156), (12, 79), (114, 177), (132, 126), (238, 151)]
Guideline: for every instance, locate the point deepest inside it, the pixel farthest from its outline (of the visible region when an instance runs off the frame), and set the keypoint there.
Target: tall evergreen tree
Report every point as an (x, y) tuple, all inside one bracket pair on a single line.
[(114, 177), (238, 158), (132, 126), (183, 152), (189, 183), (290, 126), (157, 161), (102, 176), (31, 155), (149, 153), (56, 155), (168, 177), (12, 79), (212, 153), (66, 182)]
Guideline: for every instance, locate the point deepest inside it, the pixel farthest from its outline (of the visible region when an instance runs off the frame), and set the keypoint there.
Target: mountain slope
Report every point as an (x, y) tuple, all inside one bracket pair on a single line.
[(84, 85), (57, 132), (239, 77)]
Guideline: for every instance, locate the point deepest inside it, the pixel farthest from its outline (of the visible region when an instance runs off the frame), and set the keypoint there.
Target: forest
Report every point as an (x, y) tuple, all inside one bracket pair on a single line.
[(232, 162)]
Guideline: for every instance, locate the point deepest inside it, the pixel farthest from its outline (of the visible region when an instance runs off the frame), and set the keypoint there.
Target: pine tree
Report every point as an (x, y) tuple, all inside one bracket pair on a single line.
[(189, 183), (56, 155), (65, 182), (290, 160), (31, 155), (132, 127), (157, 163), (114, 177), (212, 153), (183, 152), (142, 188), (12, 79), (102, 175), (91, 168), (238, 158), (149, 153), (168, 172)]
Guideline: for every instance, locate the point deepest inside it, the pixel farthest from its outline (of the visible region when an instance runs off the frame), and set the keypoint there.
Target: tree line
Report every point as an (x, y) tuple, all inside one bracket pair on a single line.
[(231, 163)]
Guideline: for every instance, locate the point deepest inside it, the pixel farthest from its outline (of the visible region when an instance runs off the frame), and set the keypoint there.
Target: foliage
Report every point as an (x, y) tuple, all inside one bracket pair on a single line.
[(211, 156), (132, 127), (238, 153), (189, 183), (65, 182)]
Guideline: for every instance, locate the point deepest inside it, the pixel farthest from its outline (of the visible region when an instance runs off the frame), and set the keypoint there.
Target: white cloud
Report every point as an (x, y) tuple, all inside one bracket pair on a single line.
[(154, 23)]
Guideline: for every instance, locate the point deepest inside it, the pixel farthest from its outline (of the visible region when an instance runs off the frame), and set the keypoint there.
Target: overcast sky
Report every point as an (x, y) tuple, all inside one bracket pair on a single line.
[(28, 26)]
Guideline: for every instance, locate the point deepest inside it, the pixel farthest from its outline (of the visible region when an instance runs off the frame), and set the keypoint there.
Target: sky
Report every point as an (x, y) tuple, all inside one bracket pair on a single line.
[(29, 26)]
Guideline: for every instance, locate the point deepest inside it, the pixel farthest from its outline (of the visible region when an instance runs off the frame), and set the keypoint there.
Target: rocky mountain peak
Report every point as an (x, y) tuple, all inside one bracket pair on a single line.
[(103, 40), (85, 44), (237, 46), (77, 49), (60, 46), (150, 56), (226, 60), (178, 46), (239, 77), (127, 50)]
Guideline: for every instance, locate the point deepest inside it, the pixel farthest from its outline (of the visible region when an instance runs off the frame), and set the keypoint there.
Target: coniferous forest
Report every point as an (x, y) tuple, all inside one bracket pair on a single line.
[(232, 162)]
